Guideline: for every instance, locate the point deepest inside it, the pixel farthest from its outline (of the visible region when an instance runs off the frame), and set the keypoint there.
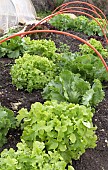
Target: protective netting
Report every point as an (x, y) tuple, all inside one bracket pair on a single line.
[(13, 12)]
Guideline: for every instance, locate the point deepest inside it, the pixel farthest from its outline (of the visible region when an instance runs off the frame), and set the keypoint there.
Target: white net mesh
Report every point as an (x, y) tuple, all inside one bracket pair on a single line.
[(14, 11)]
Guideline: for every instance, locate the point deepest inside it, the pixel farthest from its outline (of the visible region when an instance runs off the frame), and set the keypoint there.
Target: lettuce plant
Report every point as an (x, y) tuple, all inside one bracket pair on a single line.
[(64, 22), (66, 128), (86, 62), (31, 159), (88, 66), (80, 23), (32, 72), (61, 22), (44, 48), (85, 49), (12, 48), (17, 46), (93, 28), (7, 121), (71, 88)]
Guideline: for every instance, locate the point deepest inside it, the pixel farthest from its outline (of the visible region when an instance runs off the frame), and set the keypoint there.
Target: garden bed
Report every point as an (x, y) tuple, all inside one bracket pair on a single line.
[(92, 159)]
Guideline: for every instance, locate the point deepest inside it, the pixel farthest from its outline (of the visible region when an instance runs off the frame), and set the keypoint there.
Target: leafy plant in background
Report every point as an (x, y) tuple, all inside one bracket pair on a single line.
[(93, 28), (42, 14), (61, 22), (12, 48), (66, 128), (64, 22), (80, 23), (71, 88), (31, 159), (32, 72), (7, 121)]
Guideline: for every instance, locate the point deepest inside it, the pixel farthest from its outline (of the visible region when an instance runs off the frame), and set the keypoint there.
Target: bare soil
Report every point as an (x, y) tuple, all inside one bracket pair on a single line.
[(92, 159)]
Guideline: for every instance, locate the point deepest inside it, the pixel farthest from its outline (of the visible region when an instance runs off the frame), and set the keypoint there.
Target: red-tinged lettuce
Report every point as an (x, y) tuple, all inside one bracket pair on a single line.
[(69, 87), (66, 128)]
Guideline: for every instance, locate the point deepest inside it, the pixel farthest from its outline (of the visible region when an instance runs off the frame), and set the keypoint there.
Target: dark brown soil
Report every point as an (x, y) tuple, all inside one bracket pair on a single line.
[(93, 159)]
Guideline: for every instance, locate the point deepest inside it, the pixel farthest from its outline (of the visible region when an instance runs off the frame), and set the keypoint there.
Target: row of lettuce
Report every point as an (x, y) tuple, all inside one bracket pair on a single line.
[(80, 23), (61, 129)]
